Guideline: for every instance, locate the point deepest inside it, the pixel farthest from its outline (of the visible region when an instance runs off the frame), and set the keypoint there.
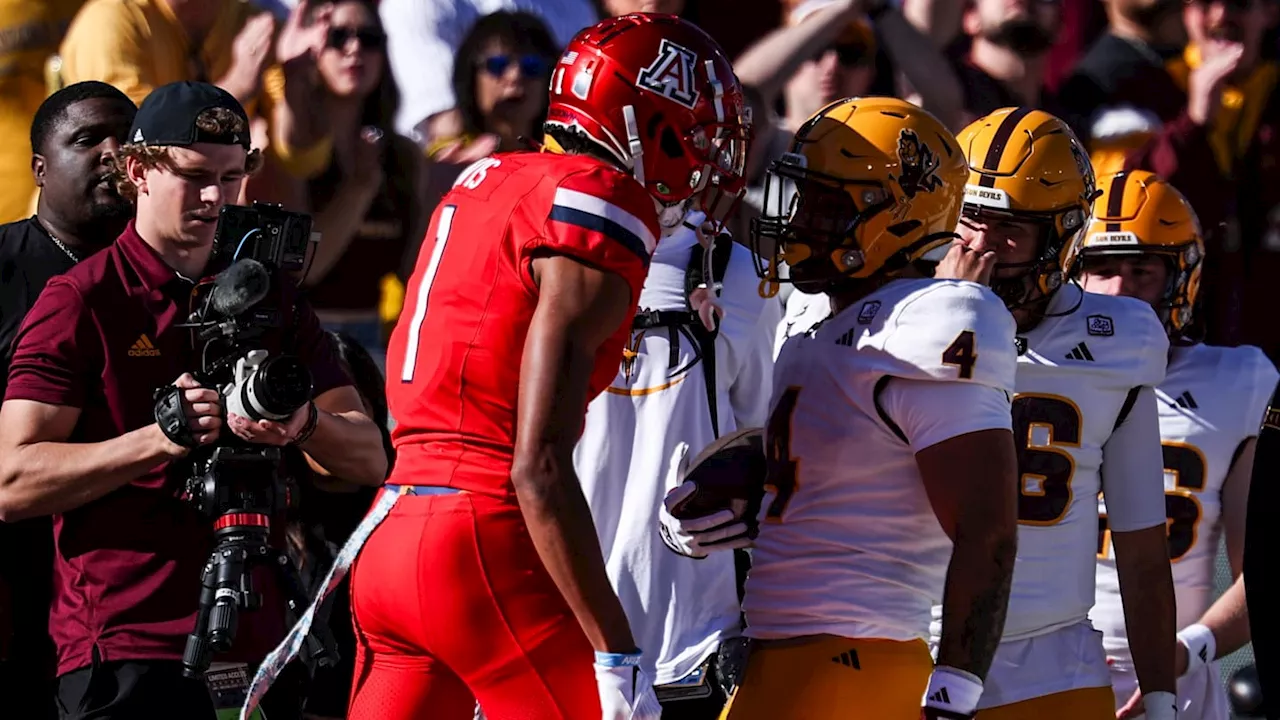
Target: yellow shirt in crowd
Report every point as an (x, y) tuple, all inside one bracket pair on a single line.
[(138, 45), (29, 35)]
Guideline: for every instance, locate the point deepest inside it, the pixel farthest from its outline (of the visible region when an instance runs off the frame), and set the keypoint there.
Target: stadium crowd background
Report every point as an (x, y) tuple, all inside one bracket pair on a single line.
[(368, 110)]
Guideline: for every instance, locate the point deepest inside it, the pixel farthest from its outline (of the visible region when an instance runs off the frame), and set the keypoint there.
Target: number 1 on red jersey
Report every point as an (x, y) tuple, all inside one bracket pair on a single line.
[(424, 291)]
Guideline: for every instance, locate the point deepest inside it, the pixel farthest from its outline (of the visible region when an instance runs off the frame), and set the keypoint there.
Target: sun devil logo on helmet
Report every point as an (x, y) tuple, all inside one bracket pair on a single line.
[(671, 74), (918, 164)]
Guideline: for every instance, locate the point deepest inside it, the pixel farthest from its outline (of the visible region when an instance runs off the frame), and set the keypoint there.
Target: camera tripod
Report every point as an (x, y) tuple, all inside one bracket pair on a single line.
[(227, 587)]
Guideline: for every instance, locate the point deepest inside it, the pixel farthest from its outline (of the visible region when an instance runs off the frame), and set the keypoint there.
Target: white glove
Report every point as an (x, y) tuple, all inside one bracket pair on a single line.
[(625, 691), (697, 537)]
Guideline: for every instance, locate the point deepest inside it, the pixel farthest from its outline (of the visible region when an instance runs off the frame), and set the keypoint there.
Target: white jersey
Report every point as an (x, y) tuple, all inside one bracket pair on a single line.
[(849, 544), (1211, 402), (803, 311), (1077, 380), (679, 607)]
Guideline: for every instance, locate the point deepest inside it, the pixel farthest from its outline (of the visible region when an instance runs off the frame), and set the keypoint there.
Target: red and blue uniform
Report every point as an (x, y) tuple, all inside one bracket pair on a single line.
[(451, 601)]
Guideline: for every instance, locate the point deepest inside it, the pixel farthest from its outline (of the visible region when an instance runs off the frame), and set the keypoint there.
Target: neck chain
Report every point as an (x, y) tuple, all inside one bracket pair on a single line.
[(61, 246)]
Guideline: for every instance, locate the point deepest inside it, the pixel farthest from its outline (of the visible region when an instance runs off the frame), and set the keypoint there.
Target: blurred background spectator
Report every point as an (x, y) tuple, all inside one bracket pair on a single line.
[(30, 31), (365, 198), (425, 36)]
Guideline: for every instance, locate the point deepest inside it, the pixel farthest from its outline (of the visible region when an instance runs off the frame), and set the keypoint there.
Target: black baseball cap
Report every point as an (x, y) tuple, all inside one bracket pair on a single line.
[(168, 116)]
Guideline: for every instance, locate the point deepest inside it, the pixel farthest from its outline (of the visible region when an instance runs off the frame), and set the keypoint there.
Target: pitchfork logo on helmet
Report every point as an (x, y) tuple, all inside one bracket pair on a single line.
[(919, 164), (658, 96), (671, 74)]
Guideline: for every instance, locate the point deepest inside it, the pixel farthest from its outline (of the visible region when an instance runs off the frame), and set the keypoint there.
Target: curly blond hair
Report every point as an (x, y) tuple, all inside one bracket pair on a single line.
[(214, 121)]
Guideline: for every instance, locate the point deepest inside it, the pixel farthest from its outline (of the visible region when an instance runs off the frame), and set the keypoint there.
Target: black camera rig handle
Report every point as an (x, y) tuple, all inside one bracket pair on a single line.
[(172, 418)]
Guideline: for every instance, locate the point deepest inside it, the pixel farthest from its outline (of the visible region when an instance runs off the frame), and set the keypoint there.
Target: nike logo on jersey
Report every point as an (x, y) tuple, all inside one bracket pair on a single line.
[(848, 659), (1185, 401), (1080, 352), (846, 339)]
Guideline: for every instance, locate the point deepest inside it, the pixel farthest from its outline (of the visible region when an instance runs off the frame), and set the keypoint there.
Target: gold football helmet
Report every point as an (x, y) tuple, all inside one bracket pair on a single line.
[(1027, 165), (1140, 213), (869, 186)]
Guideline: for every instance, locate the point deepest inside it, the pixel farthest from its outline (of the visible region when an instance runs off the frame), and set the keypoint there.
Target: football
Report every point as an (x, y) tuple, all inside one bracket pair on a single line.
[(730, 471)]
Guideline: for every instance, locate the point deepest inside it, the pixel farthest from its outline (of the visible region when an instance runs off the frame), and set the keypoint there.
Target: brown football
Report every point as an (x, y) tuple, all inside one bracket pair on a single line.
[(730, 469)]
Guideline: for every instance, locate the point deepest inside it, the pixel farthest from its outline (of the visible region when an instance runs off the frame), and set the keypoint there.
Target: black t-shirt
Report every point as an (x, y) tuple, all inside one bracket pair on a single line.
[(28, 258)]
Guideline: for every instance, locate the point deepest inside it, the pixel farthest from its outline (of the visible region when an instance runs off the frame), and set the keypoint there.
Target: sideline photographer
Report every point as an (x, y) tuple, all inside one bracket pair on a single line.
[(78, 433)]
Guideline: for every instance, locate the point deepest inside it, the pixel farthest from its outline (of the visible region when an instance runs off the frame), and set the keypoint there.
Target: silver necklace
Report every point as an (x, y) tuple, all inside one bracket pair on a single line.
[(74, 258)]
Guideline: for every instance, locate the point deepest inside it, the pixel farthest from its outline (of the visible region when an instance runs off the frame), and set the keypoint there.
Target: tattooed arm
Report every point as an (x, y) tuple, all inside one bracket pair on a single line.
[(972, 484)]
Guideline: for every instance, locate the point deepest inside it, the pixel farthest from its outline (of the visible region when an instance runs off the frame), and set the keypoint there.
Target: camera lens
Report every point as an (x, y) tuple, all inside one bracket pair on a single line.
[(281, 385)]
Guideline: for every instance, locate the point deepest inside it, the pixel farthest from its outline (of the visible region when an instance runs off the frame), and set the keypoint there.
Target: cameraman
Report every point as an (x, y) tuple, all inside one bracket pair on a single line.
[(79, 440)]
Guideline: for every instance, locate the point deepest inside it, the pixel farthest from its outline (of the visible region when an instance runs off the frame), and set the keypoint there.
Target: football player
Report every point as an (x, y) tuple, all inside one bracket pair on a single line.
[(1144, 242), (1084, 419), (880, 499), (485, 580)]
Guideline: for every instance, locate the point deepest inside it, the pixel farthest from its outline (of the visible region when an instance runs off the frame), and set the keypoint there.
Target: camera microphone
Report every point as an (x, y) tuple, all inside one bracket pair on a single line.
[(239, 287)]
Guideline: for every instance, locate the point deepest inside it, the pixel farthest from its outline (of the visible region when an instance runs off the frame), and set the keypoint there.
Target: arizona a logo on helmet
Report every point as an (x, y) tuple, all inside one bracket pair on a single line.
[(671, 74)]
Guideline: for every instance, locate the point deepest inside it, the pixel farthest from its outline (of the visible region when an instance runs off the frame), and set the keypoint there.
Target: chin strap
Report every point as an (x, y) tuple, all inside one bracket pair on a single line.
[(633, 141)]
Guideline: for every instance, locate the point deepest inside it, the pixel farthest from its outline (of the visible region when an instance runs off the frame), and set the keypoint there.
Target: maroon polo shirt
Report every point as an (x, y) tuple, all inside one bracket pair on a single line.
[(127, 570)]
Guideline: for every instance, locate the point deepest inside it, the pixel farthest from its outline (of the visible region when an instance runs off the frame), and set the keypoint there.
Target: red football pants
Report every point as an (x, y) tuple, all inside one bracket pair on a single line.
[(451, 604)]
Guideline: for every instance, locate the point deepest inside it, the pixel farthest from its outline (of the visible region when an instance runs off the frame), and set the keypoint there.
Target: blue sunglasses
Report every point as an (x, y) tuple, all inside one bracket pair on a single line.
[(531, 66)]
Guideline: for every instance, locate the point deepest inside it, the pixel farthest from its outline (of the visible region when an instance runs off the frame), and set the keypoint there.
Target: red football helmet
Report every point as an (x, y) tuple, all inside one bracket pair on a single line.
[(659, 95)]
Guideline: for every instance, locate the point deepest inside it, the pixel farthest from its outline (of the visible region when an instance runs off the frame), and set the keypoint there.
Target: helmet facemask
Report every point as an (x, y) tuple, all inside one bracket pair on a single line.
[(1041, 276), (810, 221), (1176, 305)]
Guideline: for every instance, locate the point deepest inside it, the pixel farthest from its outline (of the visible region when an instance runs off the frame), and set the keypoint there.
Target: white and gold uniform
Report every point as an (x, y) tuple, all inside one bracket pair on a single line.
[(1211, 401), (1083, 398), (850, 549)]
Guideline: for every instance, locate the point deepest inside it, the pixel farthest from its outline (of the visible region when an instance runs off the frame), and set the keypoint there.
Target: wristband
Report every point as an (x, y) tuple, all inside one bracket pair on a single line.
[(613, 660), (1160, 706), (1202, 646), (310, 428), (953, 690)]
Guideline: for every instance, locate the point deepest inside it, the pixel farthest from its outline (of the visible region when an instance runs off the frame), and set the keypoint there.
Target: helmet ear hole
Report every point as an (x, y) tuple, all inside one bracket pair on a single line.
[(670, 144)]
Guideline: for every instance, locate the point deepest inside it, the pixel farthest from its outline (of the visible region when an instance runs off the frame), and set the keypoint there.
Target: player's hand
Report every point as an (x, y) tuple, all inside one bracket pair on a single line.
[(626, 693), (700, 536), (961, 263), (704, 301), (269, 432)]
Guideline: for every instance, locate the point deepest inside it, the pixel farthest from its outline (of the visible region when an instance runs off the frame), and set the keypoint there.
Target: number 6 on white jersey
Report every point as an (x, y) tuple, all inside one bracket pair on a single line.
[(424, 291)]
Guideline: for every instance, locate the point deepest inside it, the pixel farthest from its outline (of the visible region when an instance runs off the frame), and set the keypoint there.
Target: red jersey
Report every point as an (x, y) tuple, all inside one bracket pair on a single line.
[(453, 363)]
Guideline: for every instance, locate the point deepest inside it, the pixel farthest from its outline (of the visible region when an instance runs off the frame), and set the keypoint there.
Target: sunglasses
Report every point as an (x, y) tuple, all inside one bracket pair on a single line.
[(531, 66), (370, 38)]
